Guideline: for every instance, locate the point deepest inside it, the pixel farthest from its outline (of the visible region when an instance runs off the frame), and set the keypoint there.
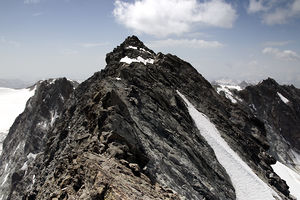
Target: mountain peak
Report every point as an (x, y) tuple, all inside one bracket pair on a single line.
[(131, 48), (269, 82), (133, 41)]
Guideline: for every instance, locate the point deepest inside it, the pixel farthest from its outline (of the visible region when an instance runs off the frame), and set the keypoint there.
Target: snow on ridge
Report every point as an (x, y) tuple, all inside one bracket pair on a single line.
[(284, 99), (139, 59), (131, 47), (248, 186), (291, 177), (139, 49), (228, 93)]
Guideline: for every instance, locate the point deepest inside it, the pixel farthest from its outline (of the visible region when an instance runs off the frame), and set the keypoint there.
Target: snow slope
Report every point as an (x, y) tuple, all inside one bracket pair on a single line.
[(292, 178), (12, 103), (285, 100), (247, 184)]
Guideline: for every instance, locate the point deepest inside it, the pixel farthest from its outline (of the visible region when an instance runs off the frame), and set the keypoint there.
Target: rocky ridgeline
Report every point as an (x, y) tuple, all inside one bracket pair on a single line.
[(27, 136), (127, 134), (279, 108)]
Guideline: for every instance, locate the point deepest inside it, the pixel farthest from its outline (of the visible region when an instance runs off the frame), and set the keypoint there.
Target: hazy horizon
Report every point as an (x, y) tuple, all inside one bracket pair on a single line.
[(239, 40)]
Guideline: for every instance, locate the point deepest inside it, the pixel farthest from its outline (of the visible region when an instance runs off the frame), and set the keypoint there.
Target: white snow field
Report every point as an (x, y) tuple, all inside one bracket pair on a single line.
[(248, 186), (291, 177), (12, 103)]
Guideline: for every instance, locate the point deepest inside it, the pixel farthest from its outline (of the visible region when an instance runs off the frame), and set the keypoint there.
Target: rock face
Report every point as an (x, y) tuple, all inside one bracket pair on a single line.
[(127, 134), (279, 107), (26, 137)]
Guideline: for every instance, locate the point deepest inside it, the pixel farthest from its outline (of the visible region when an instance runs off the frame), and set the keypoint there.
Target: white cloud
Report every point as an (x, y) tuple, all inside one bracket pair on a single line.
[(190, 43), (275, 11), (4, 41), (257, 6), (276, 43), (89, 45), (32, 1), (37, 14), (166, 17), (283, 55)]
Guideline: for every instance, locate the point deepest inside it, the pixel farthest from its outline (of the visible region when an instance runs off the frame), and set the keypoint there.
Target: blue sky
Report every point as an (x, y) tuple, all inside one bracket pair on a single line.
[(244, 40)]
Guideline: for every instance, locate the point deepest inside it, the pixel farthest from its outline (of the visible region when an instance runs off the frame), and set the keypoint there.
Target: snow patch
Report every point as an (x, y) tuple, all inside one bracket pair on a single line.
[(118, 79), (31, 155), (292, 178), (145, 50), (131, 47), (54, 116), (33, 180), (285, 100), (25, 166), (52, 81), (247, 184), (228, 93), (138, 59), (43, 125)]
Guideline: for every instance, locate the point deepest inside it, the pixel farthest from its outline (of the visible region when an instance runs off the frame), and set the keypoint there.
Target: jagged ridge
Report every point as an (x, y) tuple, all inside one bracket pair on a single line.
[(127, 125)]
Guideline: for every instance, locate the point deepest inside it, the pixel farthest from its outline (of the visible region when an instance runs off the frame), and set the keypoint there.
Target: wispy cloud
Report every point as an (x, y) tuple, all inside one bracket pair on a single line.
[(37, 14), (89, 45), (279, 54), (277, 43), (31, 1), (166, 17), (275, 11), (190, 43), (68, 52), (5, 41)]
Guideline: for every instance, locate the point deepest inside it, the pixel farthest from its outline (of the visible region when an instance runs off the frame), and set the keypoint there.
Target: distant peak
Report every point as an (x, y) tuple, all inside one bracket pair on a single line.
[(269, 82)]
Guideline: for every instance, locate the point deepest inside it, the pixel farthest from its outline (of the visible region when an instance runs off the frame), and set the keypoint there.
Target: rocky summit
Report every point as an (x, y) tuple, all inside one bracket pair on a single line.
[(128, 133)]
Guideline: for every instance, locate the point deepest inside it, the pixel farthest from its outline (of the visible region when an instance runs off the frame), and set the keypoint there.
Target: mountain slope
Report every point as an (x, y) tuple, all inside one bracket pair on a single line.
[(127, 134), (279, 107), (26, 137)]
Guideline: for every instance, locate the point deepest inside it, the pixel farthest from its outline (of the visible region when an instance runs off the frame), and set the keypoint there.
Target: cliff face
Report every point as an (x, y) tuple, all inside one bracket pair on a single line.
[(126, 133), (26, 137), (279, 107)]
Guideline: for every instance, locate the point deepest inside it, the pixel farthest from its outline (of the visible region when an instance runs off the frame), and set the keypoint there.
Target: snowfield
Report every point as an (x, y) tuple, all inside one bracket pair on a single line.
[(12, 103), (248, 186), (292, 178)]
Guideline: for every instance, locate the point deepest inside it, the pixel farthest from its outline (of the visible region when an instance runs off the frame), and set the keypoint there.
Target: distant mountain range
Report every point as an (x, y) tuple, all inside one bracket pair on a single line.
[(15, 83)]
